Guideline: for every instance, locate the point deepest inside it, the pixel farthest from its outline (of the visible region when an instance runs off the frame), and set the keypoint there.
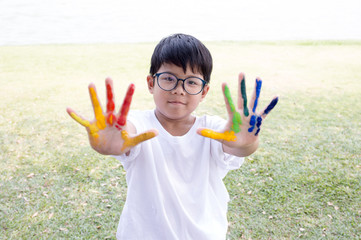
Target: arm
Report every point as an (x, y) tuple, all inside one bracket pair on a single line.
[(110, 133), (241, 133)]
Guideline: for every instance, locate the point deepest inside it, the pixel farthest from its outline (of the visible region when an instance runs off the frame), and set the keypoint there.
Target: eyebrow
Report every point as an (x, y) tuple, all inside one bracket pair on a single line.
[(185, 77)]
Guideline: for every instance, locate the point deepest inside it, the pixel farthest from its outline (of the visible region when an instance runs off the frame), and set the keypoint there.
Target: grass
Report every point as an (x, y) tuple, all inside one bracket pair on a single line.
[(303, 182)]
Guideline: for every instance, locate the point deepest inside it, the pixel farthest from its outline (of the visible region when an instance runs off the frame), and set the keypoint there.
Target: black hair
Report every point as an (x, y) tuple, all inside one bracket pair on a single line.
[(181, 50)]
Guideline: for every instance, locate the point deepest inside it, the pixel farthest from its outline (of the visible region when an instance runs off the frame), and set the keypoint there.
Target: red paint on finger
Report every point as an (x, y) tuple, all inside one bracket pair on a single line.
[(110, 104), (126, 105)]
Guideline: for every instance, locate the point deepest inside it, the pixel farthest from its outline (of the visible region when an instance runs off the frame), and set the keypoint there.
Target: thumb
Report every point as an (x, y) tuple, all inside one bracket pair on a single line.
[(219, 136)]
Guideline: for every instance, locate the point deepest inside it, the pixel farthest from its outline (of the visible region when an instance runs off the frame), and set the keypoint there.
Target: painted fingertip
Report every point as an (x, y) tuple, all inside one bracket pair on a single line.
[(91, 85), (250, 129), (131, 88), (69, 110), (258, 85), (256, 134)]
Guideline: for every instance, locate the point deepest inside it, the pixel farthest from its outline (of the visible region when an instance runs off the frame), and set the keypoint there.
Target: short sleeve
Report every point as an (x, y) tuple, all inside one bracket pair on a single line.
[(224, 161), (126, 159)]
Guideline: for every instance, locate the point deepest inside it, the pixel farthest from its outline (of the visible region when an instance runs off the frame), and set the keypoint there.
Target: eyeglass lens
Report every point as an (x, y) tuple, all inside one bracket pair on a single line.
[(168, 81)]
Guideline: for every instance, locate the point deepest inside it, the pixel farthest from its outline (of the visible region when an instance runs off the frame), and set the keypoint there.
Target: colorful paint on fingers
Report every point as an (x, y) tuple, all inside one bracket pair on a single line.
[(227, 135), (236, 119)]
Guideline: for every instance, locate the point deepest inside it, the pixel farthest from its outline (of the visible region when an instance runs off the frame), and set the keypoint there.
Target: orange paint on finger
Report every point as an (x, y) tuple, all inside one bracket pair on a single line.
[(133, 141), (227, 135), (111, 119)]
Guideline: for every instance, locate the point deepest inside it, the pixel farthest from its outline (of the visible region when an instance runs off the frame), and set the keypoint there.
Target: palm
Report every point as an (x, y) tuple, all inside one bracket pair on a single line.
[(108, 132), (244, 123)]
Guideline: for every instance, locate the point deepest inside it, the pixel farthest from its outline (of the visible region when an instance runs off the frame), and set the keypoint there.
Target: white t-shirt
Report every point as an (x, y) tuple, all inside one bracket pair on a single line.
[(175, 187)]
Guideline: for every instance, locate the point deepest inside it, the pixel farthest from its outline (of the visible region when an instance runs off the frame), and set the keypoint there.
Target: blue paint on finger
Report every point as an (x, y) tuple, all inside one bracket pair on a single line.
[(259, 129), (259, 121), (258, 92), (252, 121), (271, 106)]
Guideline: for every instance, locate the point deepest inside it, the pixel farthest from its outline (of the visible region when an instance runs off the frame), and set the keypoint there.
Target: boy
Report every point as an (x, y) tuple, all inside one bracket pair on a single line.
[(175, 171)]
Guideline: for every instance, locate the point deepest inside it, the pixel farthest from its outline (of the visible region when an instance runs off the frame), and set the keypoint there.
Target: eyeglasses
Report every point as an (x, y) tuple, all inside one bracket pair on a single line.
[(168, 82)]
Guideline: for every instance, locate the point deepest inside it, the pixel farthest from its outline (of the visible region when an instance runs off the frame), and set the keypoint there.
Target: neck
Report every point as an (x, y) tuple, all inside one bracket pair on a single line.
[(175, 127)]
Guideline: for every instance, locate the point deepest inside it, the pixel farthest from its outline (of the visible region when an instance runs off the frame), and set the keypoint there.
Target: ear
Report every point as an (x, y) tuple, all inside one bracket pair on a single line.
[(150, 83), (205, 91)]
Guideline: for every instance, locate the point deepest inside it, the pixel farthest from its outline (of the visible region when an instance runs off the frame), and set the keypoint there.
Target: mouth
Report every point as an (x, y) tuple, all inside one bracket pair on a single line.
[(176, 102)]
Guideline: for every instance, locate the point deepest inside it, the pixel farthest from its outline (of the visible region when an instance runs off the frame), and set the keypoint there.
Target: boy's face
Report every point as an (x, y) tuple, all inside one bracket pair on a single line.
[(176, 104)]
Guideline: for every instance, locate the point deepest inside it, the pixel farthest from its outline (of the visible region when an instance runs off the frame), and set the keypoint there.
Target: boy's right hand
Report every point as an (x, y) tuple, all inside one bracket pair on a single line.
[(108, 132)]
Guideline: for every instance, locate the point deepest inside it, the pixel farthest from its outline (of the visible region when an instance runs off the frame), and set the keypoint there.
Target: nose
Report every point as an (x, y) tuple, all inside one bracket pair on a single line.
[(179, 89)]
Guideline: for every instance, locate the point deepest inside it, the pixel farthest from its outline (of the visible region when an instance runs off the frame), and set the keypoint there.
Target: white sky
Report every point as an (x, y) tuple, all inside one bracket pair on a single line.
[(82, 21)]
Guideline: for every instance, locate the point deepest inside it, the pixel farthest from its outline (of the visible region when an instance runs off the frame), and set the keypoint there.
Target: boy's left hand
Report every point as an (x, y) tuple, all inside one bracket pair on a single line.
[(240, 136)]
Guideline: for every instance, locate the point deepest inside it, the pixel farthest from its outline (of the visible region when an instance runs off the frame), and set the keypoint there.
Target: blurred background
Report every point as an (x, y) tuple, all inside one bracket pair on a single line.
[(24, 22)]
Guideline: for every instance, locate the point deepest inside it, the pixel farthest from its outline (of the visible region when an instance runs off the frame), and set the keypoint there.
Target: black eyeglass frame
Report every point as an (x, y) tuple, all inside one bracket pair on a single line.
[(204, 83)]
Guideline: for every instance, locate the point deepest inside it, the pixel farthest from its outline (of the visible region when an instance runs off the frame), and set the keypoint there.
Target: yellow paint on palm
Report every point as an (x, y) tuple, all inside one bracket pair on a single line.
[(99, 116), (227, 135), (93, 128), (132, 141)]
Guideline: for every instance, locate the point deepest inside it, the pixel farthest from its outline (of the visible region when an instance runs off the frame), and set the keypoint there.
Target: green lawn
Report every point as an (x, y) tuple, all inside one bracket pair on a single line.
[(303, 182)]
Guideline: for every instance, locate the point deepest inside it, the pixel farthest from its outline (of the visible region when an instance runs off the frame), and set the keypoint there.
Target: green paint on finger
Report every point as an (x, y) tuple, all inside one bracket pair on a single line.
[(236, 119)]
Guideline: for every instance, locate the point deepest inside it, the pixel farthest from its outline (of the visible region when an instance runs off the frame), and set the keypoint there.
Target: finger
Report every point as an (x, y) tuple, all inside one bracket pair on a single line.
[(93, 128), (133, 141), (227, 98), (78, 118), (258, 125), (252, 123), (236, 117), (98, 111), (255, 123), (270, 106), (242, 95), (110, 102), (122, 120), (256, 94), (227, 135)]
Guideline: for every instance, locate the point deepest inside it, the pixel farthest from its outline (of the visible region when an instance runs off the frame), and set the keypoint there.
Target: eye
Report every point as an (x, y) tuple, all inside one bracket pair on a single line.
[(167, 78), (194, 82)]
